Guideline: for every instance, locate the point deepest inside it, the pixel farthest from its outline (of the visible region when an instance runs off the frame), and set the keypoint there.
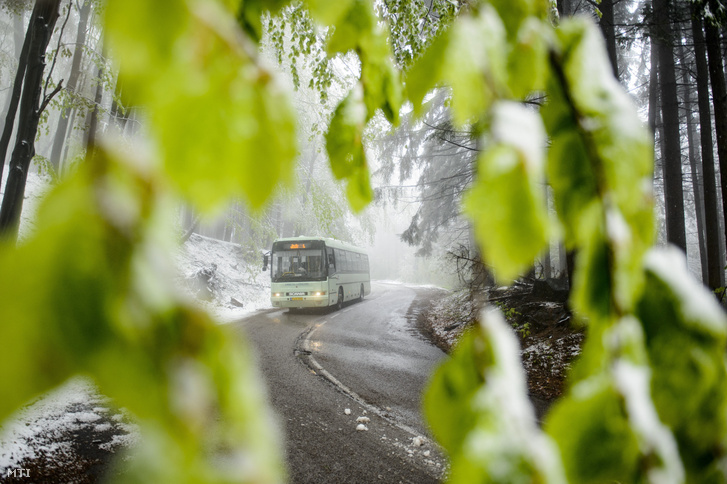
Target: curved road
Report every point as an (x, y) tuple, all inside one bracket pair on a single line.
[(368, 358)]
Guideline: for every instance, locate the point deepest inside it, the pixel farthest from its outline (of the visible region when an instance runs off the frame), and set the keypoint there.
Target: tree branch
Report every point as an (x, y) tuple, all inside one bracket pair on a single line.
[(48, 98)]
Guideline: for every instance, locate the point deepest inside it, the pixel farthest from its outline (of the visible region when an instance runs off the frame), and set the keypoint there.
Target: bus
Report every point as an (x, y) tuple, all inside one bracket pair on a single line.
[(310, 272)]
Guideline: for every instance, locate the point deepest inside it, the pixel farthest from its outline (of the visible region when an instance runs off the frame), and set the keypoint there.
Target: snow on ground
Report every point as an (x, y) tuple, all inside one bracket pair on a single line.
[(44, 428), (226, 279), (35, 188)]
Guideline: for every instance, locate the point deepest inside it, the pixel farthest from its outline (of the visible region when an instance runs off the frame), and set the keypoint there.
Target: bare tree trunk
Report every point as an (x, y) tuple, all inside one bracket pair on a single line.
[(39, 33), (12, 108), (93, 118), (547, 266), (709, 183), (192, 228), (719, 100), (694, 161), (19, 38), (653, 88), (564, 8), (672, 156), (71, 86), (609, 33)]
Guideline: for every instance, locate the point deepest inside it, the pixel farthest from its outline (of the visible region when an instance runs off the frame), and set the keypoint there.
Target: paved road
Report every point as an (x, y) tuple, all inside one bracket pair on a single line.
[(368, 358)]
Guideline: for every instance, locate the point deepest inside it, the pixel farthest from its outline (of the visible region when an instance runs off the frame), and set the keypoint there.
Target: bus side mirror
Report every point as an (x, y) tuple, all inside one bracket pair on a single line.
[(265, 263), (331, 269)]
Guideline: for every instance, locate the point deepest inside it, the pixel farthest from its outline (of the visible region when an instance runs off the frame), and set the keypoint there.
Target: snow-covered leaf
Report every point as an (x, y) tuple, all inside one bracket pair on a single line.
[(506, 203)]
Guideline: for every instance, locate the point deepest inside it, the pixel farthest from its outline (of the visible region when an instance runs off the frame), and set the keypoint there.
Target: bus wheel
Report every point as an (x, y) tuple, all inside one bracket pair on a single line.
[(360, 298), (339, 305)]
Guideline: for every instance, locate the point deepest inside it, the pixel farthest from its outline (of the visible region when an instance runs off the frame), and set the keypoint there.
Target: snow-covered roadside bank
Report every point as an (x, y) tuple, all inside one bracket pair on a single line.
[(548, 342), (223, 278)]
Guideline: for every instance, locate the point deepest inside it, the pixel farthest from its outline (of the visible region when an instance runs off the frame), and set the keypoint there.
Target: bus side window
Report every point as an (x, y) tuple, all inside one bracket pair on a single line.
[(341, 260), (331, 261)]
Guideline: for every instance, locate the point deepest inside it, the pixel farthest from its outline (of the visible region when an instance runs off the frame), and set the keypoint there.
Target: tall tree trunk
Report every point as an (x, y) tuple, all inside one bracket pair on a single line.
[(609, 32), (71, 86), (19, 38), (39, 33), (672, 156), (93, 117), (719, 100), (709, 183), (19, 32), (12, 108), (547, 263), (694, 161), (653, 87), (564, 8)]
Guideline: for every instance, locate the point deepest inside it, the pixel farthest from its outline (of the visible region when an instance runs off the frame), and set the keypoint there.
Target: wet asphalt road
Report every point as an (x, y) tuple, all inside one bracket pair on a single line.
[(368, 358)]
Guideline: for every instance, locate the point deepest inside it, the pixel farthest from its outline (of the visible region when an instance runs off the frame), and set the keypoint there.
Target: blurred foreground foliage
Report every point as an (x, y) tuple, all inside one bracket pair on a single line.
[(91, 290)]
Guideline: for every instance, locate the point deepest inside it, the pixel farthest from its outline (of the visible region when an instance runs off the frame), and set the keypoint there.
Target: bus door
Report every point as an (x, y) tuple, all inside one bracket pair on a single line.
[(332, 275)]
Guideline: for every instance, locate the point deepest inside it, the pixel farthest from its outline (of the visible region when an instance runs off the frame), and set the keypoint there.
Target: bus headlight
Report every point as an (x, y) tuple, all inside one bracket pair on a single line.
[(277, 294), (319, 293)]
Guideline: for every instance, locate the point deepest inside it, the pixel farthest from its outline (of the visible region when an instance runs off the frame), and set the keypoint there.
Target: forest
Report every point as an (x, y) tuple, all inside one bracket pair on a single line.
[(578, 143)]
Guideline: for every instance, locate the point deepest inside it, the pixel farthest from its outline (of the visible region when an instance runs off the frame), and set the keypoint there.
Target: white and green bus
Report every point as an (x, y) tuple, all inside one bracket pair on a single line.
[(308, 272)]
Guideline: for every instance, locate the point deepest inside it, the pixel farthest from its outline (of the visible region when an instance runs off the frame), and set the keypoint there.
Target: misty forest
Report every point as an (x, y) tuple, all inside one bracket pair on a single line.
[(556, 170)]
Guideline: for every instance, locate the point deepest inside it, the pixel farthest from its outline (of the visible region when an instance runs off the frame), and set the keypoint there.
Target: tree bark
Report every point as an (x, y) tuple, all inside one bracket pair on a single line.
[(71, 86), (694, 162), (19, 38), (39, 33), (719, 100), (672, 156), (12, 108), (711, 213), (547, 263), (653, 87), (93, 118), (609, 33)]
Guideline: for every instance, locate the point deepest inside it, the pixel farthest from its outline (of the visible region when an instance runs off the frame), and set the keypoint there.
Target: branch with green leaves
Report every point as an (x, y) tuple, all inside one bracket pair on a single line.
[(91, 292)]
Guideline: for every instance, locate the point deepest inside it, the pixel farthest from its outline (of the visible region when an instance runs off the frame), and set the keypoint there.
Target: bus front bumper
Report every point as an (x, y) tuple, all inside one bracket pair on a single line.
[(299, 302)]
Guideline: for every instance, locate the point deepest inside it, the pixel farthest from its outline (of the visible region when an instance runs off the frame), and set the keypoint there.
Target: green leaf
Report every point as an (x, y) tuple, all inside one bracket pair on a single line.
[(327, 12), (93, 293), (636, 446), (215, 113), (600, 146), (478, 410), (380, 80), (569, 170), (358, 190), (251, 13), (426, 73), (359, 26), (686, 332), (448, 400), (506, 203), (593, 433), (527, 64), (344, 139), (593, 283), (471, 59), (515, 12)]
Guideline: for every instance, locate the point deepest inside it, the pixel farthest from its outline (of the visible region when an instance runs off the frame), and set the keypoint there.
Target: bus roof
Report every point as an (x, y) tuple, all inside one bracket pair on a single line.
[(336, 244)]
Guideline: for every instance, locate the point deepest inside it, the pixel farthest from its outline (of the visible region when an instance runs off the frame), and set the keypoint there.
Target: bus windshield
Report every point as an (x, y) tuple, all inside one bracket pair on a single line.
[(298, 265)]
